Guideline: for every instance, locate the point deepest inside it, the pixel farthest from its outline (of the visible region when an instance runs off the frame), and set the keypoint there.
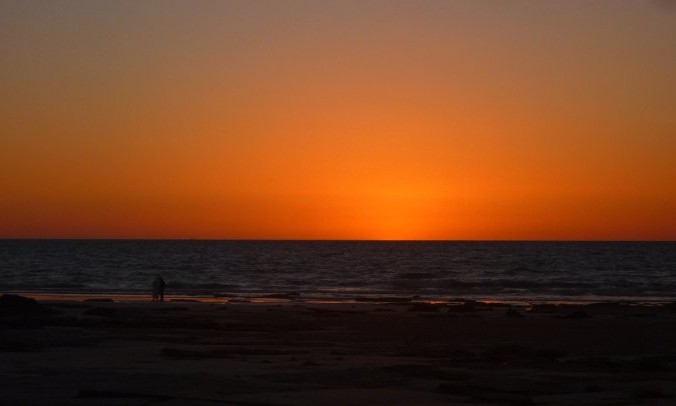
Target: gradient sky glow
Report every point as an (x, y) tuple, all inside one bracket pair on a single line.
[(338, 119)]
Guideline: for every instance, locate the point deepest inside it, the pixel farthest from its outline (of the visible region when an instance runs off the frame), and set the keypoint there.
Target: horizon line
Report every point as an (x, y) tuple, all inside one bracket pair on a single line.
[(318, 239)]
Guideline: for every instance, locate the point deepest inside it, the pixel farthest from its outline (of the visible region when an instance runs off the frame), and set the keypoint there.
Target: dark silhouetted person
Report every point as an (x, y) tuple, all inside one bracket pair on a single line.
[(158, 289)]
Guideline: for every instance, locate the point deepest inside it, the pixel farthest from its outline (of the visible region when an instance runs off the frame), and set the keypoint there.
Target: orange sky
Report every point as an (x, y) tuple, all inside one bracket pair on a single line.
[(338, 119)]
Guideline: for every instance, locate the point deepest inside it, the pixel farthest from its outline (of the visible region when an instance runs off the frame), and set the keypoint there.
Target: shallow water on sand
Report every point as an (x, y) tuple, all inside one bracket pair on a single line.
[(571, 271)]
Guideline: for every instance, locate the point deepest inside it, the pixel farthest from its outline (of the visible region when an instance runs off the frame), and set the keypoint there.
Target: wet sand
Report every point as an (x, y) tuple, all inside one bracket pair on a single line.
[(294, 353)]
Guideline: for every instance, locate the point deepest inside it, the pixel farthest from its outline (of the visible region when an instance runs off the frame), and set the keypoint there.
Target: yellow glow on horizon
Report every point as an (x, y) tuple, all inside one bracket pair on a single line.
[(395, 212)]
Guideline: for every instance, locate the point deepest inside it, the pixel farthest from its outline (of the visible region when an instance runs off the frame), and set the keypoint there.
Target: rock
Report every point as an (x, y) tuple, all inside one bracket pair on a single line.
[(544, 308), (385, 299), (424, 307), (579, 314), (512, 313), (13, 304), (290, 295), (69, 305), (468, 307), (606, 305)]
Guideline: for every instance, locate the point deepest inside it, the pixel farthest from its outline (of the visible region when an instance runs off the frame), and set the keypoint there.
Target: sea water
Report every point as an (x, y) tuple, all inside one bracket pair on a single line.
[(346, 270)]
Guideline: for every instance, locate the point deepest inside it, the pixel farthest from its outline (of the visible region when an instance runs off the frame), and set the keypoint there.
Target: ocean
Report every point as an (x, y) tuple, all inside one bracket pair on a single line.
[(346, 270)]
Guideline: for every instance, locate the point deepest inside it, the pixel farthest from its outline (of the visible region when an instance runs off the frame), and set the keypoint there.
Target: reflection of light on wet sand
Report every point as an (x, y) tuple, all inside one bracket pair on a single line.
[(131, 298), (79, 297)]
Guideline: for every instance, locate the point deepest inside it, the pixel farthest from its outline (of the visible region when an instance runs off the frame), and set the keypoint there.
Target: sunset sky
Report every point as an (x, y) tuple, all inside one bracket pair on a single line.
[(338, 119)]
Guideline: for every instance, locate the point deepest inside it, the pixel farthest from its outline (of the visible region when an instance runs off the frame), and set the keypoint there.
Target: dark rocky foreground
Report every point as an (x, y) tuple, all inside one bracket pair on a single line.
[(335, 354)]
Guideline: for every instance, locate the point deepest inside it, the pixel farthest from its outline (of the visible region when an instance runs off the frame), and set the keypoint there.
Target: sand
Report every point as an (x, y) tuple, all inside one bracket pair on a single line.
[(295, 353)]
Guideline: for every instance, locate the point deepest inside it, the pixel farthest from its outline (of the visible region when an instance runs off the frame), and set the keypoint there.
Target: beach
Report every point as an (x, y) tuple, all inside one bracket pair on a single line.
[(337, 202), (70, 350)]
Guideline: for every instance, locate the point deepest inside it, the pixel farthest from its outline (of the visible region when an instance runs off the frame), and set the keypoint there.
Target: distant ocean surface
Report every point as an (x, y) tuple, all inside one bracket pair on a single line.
[(346, 270)]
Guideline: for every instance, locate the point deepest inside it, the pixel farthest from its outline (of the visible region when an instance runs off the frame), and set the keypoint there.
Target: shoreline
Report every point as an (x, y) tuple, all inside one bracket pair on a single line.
[(296, 298)]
